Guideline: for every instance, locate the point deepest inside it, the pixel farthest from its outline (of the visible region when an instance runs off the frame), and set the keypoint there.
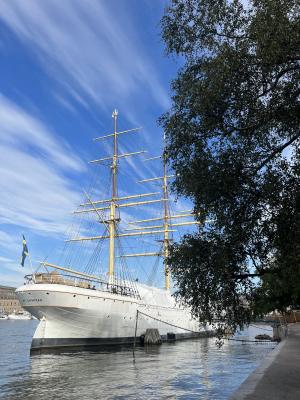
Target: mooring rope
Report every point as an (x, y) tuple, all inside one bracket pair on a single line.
[(189, 330), (251, 341), (263, 329), (156, 319), (167, 323)]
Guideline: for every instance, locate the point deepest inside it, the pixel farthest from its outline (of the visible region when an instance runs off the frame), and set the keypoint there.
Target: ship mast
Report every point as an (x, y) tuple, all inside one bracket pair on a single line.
[(115, 203), (112, 217), (166, 223)]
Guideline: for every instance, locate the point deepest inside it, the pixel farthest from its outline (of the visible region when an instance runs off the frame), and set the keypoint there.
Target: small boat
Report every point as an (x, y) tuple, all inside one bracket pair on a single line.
[(19, 315), (3, 316)]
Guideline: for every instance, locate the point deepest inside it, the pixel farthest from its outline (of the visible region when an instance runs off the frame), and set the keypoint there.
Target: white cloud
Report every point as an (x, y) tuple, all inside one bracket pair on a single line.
[(19, 129), (34, 191), (5, 259), (15, 279), (91, 49), (12, 274), (8, 242)]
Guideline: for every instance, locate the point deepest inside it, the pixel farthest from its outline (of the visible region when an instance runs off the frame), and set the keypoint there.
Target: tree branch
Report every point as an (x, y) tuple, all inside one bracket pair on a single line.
[(256, 274), (231, 36), (245, 276), (254, 262), (279, 75), (279, 149)]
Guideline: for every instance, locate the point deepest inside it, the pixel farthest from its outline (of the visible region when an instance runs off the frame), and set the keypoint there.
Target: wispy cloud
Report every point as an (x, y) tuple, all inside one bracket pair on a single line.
[(8, 242), (12, 273), (14, 279), (35, 192), (19, 129), (96, 51)]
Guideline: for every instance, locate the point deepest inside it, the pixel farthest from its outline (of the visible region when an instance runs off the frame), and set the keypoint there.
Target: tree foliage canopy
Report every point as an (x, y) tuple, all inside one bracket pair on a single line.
[(233, 140)]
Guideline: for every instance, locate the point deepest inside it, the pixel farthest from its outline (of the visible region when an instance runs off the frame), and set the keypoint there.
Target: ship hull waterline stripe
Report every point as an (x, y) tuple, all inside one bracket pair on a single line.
[(52, 343)]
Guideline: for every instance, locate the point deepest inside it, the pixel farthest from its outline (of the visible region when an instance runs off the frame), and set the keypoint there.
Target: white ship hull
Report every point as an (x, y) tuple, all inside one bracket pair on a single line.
[(73, 316)]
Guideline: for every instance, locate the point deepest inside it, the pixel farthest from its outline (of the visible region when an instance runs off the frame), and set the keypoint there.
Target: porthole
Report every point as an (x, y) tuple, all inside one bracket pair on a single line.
[(47, 293), (88, 297), (74, 295)]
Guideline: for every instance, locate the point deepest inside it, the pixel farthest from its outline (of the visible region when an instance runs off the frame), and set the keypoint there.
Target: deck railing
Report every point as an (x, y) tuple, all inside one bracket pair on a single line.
[(81, 282)]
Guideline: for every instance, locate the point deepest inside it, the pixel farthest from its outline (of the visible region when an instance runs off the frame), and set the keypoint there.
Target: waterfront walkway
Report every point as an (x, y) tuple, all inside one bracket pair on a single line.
[(278, 377)]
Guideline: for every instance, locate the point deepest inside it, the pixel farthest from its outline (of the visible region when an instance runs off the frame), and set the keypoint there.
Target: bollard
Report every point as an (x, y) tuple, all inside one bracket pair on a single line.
[(152, 336)]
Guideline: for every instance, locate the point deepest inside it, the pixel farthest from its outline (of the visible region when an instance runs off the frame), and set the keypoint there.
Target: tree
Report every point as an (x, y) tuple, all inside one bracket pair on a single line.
[(233, 142)]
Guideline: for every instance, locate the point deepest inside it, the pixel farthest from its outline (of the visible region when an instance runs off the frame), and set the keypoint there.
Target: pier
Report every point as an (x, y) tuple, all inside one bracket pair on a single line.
[(277, 377)]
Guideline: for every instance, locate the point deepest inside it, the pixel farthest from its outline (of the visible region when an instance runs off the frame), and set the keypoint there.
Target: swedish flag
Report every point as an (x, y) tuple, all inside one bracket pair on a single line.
[(24, 252)]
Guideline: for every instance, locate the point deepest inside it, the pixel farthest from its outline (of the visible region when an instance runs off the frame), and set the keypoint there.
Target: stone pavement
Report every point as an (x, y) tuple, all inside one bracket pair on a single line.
[(278, 377)]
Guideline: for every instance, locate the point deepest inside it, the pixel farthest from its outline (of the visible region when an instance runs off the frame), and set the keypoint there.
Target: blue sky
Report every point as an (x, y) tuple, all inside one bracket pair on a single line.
[(65, 65)]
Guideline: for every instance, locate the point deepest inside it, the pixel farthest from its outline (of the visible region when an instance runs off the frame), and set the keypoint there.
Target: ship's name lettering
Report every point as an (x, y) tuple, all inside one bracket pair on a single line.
[(33, 300)]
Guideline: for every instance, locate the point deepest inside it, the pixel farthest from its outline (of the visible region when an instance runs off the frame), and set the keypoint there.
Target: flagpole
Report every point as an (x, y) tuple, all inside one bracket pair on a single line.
[(30, 262), (25, 253)]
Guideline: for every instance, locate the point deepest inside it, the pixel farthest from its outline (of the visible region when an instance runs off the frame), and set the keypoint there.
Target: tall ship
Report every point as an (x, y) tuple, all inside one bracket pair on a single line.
[(77, 302)]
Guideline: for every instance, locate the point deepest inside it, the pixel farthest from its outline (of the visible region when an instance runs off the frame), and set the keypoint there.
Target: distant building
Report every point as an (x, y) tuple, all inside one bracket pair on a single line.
[(8, 300)]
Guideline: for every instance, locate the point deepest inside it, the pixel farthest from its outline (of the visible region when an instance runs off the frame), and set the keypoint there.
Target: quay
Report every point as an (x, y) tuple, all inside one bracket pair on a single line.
[(278, 376)]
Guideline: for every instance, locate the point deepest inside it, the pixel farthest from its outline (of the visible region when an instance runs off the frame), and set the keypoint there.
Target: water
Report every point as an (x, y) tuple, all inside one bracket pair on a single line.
[(193, 369)]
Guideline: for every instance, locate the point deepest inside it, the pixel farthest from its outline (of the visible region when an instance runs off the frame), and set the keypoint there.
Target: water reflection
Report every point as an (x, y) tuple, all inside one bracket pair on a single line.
[(183, 370)]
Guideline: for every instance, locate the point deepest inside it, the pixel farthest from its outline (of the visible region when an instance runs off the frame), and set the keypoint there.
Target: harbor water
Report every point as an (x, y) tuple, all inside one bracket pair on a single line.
[(192, 369)]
